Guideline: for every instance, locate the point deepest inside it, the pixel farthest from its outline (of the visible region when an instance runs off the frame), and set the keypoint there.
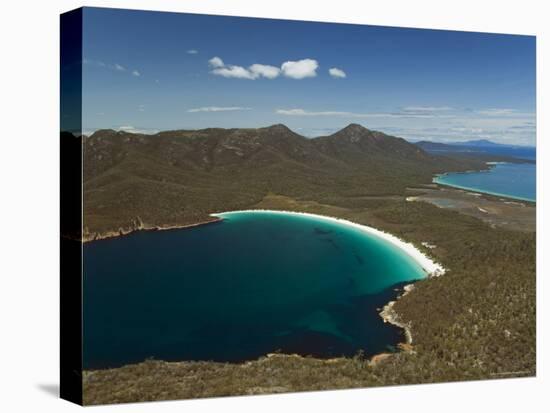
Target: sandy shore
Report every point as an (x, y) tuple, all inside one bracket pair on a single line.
[(388, 313), (431, 268)]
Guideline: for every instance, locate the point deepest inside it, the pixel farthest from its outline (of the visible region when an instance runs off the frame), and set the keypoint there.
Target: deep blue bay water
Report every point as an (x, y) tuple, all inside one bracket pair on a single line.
[(237, 289), (513, 180)]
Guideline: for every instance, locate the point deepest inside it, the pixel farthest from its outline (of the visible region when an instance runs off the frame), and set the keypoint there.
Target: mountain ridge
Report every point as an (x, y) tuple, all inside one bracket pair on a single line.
[(175, 178)]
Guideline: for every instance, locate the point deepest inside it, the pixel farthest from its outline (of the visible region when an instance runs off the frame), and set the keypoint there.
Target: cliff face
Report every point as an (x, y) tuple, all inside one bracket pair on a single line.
[(138, 225), (134, 225)]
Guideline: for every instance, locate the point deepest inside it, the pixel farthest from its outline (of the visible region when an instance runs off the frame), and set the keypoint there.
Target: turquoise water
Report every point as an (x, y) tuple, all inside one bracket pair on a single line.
[(510, 180), (237, 289)]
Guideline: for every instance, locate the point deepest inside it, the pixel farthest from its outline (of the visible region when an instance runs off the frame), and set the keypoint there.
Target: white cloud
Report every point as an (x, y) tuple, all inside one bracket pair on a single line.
[(192, 51), (253, 72), (466, 125), (496, 112), (269, 72), (232, 71), (300, 69), (467, 130), (217, 109), (426, 108), (452, 125), (337, 73), (296, 70), (111, 66), (141, 108), (302, 112), (238, 72), (216, 62), (131, 129)]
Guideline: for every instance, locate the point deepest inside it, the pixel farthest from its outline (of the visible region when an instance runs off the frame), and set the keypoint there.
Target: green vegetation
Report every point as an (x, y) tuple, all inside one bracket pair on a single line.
[(475, 322), (180, 177)]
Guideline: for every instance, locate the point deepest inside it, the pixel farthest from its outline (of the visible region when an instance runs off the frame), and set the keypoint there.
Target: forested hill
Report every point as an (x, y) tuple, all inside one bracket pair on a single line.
[(179, 177)]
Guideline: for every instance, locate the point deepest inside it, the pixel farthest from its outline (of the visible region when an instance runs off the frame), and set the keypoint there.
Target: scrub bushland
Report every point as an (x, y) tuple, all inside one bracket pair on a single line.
[(475, 322)]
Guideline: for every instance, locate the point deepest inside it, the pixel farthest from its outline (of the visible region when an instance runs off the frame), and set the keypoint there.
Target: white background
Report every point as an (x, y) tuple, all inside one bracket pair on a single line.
[(29, 206)]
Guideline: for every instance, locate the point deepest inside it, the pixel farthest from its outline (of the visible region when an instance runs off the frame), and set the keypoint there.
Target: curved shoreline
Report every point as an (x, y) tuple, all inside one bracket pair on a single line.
[(492, 166), (388, 313), (431, 268), (484, 192)]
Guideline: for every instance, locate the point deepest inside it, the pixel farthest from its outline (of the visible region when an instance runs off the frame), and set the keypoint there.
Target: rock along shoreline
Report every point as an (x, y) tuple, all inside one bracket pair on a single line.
[(140, 226)]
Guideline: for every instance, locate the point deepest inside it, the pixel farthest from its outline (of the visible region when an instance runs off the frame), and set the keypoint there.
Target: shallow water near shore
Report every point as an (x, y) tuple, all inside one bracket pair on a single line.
[(237, 289), (510, 180)]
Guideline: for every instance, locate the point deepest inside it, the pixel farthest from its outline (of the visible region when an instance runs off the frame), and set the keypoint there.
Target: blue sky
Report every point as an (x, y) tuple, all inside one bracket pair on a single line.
[(151, 71)]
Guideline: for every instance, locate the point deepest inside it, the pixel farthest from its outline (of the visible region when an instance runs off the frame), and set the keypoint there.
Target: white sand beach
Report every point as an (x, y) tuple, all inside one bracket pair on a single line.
[(432, 268)]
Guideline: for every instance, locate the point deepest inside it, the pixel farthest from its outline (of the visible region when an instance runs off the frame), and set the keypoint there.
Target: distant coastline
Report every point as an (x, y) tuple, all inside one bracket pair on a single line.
[(484, 192), (439, 179)]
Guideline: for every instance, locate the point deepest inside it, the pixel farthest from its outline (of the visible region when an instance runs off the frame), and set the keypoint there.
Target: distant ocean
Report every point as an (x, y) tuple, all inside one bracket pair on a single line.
[(510, 180), (521, 152)]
